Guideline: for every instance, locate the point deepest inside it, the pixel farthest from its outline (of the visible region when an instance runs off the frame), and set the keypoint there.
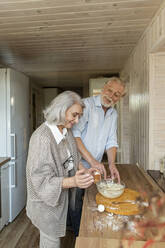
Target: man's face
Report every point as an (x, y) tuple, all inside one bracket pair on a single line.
[(111, 94)]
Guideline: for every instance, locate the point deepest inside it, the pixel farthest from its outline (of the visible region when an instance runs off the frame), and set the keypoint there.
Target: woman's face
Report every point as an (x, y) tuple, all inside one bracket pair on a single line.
[(72, 115)]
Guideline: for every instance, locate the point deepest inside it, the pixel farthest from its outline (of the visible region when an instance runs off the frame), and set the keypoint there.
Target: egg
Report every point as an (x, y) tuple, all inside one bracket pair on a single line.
[(101, 208)]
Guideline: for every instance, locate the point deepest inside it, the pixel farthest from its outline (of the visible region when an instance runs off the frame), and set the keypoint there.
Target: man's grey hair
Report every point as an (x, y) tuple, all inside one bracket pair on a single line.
[(55, 111), (119, 81)]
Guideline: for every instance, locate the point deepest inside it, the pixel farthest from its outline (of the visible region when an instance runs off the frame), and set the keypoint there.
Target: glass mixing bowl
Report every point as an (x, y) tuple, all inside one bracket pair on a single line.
[(110, 188)]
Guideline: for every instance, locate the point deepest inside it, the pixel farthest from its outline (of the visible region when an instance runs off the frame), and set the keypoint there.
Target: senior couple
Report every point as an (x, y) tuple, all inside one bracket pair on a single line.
[(56, 173)]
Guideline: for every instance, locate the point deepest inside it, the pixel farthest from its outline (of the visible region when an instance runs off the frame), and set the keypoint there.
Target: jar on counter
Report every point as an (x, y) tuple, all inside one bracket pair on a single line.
[(161, 166), (163, 162)]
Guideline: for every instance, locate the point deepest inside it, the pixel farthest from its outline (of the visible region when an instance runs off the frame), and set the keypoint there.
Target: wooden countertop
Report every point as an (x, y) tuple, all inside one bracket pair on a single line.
[(4, 160), (93, 223), (82, 242)]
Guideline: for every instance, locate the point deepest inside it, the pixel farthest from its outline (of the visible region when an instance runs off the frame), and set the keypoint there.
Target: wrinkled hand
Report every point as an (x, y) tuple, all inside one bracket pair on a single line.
[(99, 166), (114, 172), (83, 179)]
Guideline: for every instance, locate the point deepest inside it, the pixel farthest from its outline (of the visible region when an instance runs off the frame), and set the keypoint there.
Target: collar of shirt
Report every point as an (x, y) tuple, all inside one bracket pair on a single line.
[(56, 132), (97, 100)]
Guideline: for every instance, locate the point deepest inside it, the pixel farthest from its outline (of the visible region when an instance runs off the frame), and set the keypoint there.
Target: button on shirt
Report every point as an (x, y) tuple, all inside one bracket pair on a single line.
[(96, 129), (59, 137)]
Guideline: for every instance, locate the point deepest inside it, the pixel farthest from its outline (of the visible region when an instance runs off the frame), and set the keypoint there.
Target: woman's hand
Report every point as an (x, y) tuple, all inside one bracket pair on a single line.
[(83, 179)]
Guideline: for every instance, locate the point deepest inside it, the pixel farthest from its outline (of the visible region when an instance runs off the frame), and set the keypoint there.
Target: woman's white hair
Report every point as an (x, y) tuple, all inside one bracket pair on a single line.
[(55, 111)]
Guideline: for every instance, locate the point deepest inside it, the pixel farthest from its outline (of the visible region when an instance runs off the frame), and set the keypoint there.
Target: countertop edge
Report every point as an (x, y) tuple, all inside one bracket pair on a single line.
[(4, 160)]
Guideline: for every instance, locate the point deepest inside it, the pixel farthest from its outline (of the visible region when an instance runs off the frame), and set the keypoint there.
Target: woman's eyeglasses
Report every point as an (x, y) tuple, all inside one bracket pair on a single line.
[(68, 161)]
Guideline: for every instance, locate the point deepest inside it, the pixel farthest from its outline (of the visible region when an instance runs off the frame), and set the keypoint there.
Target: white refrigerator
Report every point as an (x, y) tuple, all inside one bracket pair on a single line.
[(14, 134)]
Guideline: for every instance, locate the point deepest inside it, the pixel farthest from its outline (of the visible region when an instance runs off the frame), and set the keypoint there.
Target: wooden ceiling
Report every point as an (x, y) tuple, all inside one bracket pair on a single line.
[(64, 42)]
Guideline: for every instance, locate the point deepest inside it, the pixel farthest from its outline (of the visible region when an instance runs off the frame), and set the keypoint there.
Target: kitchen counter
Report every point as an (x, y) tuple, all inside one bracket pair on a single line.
[(82, 242), (4, 160), (95, 225)]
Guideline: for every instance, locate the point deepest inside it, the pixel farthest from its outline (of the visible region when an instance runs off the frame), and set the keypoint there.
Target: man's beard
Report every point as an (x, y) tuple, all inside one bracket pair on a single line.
[(107, 105)]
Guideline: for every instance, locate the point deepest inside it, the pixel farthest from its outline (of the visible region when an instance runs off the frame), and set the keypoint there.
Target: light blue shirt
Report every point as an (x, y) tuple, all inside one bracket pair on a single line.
[(97, 130)]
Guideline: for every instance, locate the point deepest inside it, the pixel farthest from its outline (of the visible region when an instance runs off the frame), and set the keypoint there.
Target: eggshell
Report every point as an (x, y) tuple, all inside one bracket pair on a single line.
[(101, 208)]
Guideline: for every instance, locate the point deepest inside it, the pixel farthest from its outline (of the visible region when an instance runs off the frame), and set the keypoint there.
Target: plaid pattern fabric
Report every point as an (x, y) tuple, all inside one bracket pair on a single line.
[(47, 242), (47, 202)]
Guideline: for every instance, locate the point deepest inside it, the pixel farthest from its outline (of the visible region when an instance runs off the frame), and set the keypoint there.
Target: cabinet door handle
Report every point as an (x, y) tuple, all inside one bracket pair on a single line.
[(13, 174), (14, 146)]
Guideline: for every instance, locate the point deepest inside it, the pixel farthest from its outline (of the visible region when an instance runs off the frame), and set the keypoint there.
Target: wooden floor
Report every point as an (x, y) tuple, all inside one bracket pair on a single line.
[(22, 234)]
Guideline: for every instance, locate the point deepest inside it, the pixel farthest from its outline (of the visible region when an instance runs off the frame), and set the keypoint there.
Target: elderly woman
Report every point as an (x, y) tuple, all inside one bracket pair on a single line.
[(53, 169)]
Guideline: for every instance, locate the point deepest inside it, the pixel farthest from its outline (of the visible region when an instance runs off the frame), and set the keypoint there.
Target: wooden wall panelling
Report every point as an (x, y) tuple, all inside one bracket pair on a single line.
[(147, 125), (157, 32), (152, 161), (137, 110), (157, 110), (125, 119)]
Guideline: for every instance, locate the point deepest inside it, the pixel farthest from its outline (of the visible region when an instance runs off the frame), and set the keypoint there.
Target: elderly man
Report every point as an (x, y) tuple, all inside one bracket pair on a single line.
[(95, 133), (96, 130)]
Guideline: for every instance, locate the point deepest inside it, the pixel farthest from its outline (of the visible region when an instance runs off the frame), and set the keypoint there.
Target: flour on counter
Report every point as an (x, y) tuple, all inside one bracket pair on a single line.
[(113, 221)]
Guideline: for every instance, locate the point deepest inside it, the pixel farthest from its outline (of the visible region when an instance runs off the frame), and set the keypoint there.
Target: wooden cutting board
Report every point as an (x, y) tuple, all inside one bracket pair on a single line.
[(123, 205)]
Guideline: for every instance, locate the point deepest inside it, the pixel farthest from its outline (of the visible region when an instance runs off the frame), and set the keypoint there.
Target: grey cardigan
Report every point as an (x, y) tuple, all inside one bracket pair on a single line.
[(47, 202)]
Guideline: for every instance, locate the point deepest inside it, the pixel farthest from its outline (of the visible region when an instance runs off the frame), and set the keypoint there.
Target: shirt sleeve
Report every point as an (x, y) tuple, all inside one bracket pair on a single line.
[(81, 125), (112, 138), (45, 182)]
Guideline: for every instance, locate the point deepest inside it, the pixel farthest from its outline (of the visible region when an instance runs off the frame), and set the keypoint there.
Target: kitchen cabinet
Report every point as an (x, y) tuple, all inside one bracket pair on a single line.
[(4, 200), (14, 114)]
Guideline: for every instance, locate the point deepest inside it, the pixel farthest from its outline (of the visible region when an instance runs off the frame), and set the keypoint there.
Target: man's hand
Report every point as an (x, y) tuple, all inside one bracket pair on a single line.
[(114, 172), (99, 166)]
